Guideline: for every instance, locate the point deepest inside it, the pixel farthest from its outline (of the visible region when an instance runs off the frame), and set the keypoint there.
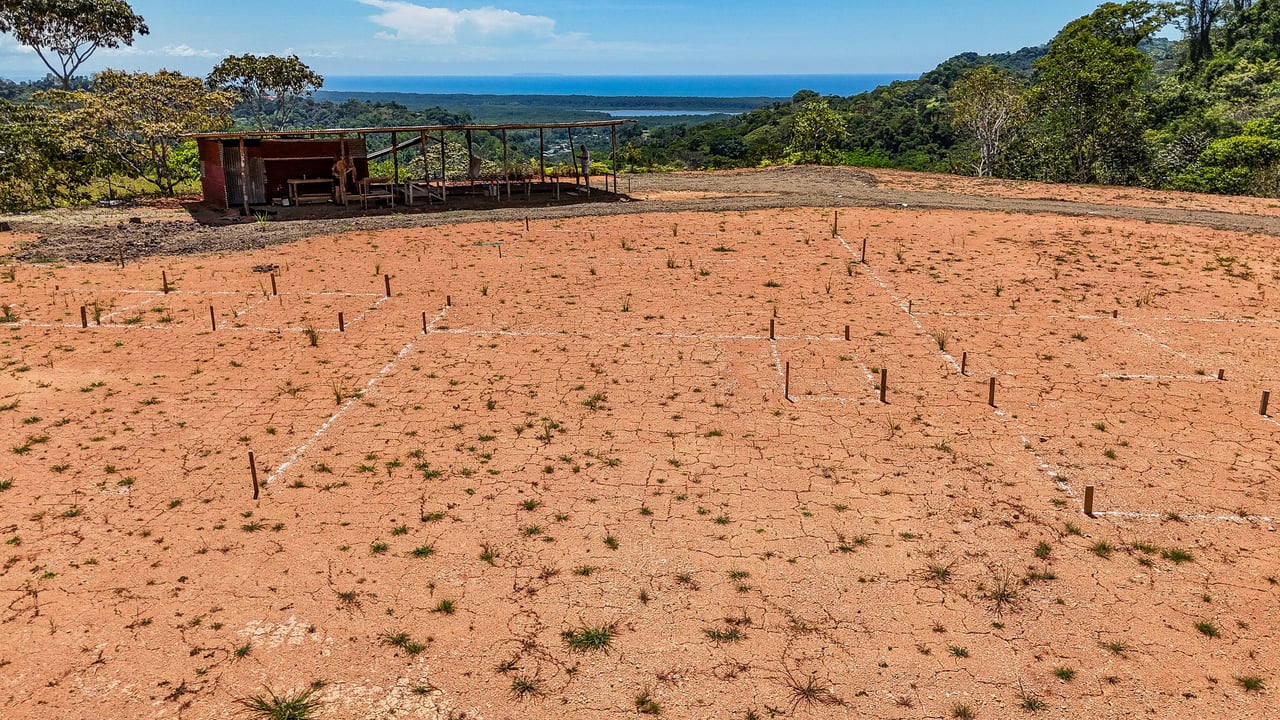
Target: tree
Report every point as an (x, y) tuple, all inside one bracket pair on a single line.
[(69, 31), (815, 130), (139, 119), (1198, 18), (1089, 94), (269, 86), (41, 163), (989, 104)]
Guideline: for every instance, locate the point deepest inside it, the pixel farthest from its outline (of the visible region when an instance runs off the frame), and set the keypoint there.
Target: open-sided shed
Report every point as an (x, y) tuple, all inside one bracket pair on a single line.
[(243, 169)]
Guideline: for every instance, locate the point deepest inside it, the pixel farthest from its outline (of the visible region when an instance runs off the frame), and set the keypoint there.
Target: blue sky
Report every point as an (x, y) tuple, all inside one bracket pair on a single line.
[(626, 37)]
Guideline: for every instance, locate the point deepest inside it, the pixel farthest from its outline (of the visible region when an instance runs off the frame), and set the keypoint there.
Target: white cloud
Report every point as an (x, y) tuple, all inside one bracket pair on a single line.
[(186, 51), (9, 46), (445, 26)]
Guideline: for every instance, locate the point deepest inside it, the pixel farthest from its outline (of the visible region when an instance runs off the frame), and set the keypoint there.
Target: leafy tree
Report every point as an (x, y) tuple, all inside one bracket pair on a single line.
[(1197, 22), (65, 33), (1090, 90), (815, 130), (41, 163), (989, 105), (270, 87), (138, 119)]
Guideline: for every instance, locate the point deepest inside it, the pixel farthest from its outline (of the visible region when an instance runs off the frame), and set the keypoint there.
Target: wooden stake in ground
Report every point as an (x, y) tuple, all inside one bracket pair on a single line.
[(991, 392), (273, 284), (253, 470), (342, 325), (1222, 374), (1266, 400), (848, 335), (964, 362), (386, 281), (786, 383), (164, 282), (771, 328), (424, 322), (448, 301), (884, 385), (84, 317), (499, 251), (1088, 500), (526, 226), (864, 251), (213, 319), (835, 225)]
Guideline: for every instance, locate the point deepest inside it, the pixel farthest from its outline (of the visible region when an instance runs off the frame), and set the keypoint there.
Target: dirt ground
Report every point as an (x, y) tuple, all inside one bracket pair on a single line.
[(634, 459)]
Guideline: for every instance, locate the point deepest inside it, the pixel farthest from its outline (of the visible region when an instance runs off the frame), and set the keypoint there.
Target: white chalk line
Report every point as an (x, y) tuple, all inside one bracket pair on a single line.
[(902, 305), (1046, 467), (301, 449)]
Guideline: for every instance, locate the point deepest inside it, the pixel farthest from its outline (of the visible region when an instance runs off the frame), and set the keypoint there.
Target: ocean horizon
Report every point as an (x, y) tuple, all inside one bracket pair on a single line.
[(709, 86)]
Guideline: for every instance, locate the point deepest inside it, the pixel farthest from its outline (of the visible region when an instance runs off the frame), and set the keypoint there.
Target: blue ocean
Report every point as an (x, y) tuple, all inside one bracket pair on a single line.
[(717, 86)]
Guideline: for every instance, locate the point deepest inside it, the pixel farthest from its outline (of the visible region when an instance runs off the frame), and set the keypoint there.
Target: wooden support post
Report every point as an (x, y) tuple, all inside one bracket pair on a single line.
[(499, 251), (835, 225), (526, 225), (84, 317), (444, 172), (448, 301), (470, 155), (964, 362), (424, 322), (613, 130), (1222, 374), (213, 320), (771, 328), (848, 334), (1266, 400), (244, 183), (884, 385), (573, 153), (542, 155), (253, 471), (395, 165), (910, 305), (864, 251), (386, 282), (1115, 314), (273, 285), (506, 168), (342, 325), (1088, 500), (786, 382), (991, 392), (164, 282)]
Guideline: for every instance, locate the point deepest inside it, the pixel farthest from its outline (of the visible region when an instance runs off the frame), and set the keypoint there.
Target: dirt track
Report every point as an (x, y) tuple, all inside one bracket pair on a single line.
[(97, 237)]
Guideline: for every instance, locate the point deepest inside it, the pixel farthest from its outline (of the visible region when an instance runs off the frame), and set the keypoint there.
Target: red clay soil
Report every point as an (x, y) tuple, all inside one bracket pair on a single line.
[(639, 464)]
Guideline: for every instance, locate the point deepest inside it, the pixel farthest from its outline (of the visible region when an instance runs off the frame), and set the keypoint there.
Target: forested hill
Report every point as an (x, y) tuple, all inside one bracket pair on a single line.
[(1201, 112), (906, 124)]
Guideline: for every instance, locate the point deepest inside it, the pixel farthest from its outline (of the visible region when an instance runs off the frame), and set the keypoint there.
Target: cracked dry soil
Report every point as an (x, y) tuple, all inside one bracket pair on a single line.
[(659, 422)]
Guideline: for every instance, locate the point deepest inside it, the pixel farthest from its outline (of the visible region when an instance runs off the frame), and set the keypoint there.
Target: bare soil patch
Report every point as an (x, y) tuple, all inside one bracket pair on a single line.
[(638, 461)]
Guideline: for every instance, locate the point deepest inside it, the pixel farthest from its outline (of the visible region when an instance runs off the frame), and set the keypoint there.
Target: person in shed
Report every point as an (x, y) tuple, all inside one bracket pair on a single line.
[(342, 167)]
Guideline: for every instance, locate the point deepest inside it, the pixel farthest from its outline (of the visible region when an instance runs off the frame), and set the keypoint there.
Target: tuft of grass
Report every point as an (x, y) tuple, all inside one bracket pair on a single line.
[(423, 551), (302, 705), (1043, 550), (728, 635), (958, 651), (1208, 629), (1072, 529), (1102, 549), (646, 705), (1176, 556), (523, 687), (810, 693), (589, 637), (1250, 683), (611, 542), (1064, 673), (960, 711), (445, 607), (403, 641)]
